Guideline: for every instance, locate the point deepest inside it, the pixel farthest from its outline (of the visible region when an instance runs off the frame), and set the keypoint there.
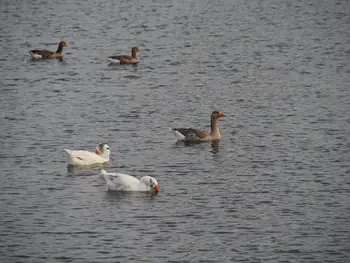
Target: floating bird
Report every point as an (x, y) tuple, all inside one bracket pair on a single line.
[(47, 54), (124, 182), (133, 59), (84, 158), (194, 135)]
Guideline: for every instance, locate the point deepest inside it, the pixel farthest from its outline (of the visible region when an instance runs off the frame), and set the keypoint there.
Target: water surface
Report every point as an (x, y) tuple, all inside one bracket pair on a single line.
[(275, 189)]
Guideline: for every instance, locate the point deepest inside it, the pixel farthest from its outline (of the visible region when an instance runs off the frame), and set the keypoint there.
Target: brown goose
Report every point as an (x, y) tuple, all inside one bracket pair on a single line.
[(133, 59), (189, 134), (46, 54)]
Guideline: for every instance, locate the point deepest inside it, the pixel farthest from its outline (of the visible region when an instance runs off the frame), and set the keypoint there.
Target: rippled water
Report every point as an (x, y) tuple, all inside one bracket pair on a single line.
[(275, 189)]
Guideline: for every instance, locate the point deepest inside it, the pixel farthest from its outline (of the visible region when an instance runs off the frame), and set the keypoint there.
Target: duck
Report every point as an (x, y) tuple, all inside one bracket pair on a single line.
[(127, 183), (123, 59), (85, 158), (47, 54), (195, 135)]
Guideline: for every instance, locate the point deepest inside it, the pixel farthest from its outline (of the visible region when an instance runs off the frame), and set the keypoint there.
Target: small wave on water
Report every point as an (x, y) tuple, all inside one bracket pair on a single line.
[(274, 188)]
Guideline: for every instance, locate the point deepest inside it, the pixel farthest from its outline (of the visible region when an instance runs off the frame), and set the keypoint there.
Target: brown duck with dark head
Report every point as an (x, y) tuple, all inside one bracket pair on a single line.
[(47, 54), (123, 59), (190, 134)]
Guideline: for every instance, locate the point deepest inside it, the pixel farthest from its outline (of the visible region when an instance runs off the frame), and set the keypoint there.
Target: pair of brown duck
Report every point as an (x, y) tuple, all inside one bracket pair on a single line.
[(47, 54)]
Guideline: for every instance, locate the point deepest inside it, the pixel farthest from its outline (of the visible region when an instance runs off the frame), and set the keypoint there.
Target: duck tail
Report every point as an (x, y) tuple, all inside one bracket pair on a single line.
[(113, 61), (178, 134)]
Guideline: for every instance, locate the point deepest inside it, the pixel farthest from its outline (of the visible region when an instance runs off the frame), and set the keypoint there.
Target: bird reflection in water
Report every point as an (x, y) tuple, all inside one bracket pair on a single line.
[(129, 196), (76, 168), (187, 143), (218, 151), (215, 147)]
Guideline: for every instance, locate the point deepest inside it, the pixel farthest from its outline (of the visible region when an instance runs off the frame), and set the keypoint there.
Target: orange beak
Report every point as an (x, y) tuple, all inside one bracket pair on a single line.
[(156, 188), (221, 114), (97, 151)]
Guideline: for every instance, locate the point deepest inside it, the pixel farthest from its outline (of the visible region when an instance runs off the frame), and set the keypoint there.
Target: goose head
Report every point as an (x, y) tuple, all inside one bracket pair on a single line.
[(217, 114), (63, 44), (150, 183), (103, 150), (134, 51)]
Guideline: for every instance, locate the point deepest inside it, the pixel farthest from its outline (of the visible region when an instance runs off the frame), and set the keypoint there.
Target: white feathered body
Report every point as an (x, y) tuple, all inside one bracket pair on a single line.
[(84, 158), (125, 182)]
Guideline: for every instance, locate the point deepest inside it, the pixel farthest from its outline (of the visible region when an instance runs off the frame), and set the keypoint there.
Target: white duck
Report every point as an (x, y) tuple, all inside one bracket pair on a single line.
[(124, 182), (84, 158)]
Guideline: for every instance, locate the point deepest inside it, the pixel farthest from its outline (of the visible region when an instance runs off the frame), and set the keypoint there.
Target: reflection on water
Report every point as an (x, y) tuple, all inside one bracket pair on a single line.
[(215, 147), (74, 168), (288, 157), (219, 152), (189, 143), (113, 196)]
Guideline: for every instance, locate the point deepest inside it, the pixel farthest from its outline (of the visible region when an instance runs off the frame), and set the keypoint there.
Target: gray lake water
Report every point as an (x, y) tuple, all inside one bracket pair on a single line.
[(275, 189)]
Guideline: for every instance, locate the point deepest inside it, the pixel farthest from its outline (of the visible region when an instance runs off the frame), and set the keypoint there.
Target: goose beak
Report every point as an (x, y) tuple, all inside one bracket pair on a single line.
[(97, 151), (221, 114), (156, 188)]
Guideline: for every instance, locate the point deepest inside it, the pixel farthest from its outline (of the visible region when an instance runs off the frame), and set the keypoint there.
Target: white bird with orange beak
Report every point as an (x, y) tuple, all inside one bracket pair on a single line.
[(85, 158), (125, 182)]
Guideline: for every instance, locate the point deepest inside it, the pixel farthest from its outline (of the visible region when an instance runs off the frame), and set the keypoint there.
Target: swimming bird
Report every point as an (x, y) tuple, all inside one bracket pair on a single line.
[(125, 182), (84, 158), (123, 59), (195, 135), (47, 54)]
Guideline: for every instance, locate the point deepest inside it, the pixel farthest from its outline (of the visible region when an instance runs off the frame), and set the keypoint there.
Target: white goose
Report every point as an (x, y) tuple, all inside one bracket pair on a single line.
[(124, 182), (84, 158)]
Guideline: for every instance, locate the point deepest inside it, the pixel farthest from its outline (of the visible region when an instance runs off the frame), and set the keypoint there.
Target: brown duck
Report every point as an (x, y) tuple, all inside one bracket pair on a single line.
[(47, 54), (190, 134), (133, 59)]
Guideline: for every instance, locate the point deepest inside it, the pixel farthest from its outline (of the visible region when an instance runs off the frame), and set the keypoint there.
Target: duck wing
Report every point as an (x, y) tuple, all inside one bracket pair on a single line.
[(83, 158), (122, 58), (120, 182), (119, 59), (41, 52), (190, 134), (82, 154)]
